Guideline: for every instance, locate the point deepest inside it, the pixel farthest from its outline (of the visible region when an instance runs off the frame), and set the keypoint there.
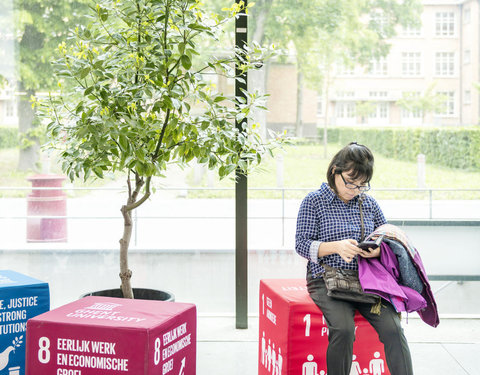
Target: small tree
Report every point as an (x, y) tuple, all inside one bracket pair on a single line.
[(364, 109), (3, 81), (423, 103), (141, 102)]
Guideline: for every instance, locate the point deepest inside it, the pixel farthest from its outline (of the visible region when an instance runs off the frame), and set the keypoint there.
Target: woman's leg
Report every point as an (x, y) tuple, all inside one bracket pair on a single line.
[(341, 327), (390, 332)]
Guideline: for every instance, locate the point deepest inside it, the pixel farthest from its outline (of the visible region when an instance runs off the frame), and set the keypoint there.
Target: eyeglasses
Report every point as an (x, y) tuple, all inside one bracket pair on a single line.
[(360, 188)]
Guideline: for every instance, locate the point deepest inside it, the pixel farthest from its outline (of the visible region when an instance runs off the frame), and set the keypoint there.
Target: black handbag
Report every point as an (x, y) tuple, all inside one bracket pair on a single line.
[(345, 284)]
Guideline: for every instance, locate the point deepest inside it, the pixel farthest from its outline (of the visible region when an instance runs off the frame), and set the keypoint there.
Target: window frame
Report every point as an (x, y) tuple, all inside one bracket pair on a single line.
[(445, 64), (409, 60), (445, 24)]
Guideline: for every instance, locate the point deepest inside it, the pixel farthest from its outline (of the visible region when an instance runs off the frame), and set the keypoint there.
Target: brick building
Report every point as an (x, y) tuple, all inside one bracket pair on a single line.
[(442, 53)]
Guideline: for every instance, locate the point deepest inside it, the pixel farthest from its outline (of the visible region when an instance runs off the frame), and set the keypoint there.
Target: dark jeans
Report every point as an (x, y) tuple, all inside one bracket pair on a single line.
[(339, 317)]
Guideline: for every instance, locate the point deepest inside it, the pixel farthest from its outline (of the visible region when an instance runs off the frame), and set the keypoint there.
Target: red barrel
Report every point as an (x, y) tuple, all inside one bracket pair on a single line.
[(44, 203)]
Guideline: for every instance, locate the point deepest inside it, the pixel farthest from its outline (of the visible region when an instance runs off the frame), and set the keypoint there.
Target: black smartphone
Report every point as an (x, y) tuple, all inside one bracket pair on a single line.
[(365, 245)]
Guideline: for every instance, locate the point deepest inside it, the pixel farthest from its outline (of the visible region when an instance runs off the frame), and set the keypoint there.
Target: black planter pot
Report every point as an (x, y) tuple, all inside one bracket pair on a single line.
[(138, 293)]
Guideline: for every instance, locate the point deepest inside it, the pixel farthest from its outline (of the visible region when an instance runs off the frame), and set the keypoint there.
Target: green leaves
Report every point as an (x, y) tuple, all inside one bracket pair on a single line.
[(135, 97), (123, 142), (102, 13), (186, 62)]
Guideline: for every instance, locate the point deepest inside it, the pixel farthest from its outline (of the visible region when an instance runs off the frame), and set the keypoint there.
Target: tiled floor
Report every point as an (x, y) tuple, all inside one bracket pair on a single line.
[(453, 348)]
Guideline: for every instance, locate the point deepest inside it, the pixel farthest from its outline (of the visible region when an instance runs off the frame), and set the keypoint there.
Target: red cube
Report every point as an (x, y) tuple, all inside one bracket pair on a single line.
[(104, 335), (293, 334)]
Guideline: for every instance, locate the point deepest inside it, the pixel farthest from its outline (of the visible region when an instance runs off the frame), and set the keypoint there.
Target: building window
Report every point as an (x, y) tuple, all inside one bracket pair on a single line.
[(411, 31), (379, 22), (9, 110), (411, 63), (444, 63), (444, 24), (378, 67), (449, 108), (466, 56), (345, 109), (377, 94), (467, 97), (344, 70), (467, 15), (345, 94), (319, 106), (411, 114), (381, 111)]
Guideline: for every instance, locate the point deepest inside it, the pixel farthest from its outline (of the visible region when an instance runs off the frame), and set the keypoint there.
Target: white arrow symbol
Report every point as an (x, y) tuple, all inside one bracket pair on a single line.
[(182, 367)]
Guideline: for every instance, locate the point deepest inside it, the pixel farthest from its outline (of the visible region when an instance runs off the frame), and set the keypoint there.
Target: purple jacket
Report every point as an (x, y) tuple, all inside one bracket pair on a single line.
[(380, 276)]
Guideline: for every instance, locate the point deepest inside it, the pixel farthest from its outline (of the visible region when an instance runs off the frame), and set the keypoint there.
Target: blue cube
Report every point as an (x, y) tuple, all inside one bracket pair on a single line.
[(21, 298)]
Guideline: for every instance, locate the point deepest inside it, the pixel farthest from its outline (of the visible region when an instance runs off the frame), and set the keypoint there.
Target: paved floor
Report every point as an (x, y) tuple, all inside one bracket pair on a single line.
[(453, 348)]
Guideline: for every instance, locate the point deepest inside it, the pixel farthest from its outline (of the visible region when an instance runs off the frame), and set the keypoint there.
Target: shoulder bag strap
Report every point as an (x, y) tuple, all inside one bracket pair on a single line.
[(362, 230)]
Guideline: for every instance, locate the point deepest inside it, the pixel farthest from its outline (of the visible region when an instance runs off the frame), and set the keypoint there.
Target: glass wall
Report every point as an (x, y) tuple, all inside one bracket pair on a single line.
[(397, 82), (402, 83)]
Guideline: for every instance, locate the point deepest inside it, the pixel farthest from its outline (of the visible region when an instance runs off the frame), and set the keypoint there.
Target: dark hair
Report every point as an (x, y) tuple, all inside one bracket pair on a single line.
[(354, 158)]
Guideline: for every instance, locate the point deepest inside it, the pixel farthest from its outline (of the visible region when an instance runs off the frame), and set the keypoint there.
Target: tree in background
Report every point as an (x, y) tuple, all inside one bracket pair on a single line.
[(364, 109), (41, 25), (423, 103), (324, 33), (3, 81)]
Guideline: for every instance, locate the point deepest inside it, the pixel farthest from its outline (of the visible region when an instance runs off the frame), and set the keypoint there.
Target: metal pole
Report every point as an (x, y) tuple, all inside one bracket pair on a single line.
[(241, 244)]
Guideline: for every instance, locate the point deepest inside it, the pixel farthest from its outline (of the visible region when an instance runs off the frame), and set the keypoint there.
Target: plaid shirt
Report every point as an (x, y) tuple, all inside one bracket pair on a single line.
[(324, 217)]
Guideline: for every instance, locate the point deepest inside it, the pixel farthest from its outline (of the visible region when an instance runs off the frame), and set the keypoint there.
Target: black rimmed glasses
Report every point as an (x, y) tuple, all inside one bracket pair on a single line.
[(361, 188)]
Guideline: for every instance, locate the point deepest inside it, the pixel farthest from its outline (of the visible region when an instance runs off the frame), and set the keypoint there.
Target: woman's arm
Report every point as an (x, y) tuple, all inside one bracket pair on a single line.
[(347, 249), (306, 239)]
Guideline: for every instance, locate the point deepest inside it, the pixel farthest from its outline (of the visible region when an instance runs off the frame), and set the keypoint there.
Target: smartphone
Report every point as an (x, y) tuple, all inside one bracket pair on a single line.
[(366, 245)]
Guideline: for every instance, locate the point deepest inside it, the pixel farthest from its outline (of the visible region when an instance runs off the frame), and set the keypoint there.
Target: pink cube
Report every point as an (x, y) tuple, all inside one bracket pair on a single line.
[(293, 334), (104, 335)]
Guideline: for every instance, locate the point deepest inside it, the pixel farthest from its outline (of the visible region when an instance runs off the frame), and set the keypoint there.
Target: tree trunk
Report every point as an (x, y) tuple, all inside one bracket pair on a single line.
[(260, 21), (258, 78), (125, 273), (29, 155), (127, 209), (299, 122)]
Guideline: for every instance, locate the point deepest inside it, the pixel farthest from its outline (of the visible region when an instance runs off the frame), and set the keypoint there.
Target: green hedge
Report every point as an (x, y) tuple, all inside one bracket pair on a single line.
[(8, 137), (332, 135), (455, 147)]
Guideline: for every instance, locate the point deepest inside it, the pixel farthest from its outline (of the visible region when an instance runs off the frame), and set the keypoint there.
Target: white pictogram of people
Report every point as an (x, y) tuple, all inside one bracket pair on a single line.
[(271, 359), (375, 367), (311, 368)]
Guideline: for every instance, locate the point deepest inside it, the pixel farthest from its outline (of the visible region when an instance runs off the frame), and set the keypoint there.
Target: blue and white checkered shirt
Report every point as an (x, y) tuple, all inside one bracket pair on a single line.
[(324, 217)]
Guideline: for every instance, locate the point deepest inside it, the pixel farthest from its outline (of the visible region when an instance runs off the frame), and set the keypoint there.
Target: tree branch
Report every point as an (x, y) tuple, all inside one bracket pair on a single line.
[(132, 206), (160, 139)]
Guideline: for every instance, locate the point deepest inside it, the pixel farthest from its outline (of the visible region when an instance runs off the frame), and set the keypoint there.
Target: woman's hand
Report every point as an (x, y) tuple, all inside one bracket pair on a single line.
[(374, 253), (347, 249)]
